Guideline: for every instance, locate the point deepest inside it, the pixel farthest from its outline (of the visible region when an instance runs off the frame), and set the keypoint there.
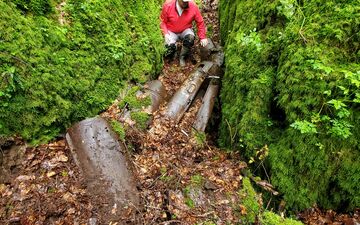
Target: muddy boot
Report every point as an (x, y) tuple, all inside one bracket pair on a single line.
[(170, 52), (188, 42), (183, 54)]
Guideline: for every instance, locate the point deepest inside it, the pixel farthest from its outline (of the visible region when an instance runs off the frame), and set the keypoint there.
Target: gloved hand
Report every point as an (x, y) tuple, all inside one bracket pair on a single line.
[(204, 42), (167, 38)]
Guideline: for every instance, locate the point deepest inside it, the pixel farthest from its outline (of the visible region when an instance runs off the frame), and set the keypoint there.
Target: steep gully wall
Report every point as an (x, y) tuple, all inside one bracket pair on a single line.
[(290, 96)]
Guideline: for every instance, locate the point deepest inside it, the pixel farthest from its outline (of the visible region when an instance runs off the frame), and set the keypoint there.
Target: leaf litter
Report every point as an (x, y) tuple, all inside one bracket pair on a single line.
[(180, 182)]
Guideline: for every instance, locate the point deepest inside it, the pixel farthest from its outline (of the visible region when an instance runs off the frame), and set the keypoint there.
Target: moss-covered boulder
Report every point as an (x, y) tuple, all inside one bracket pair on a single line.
[(292, 82), (64, 61)]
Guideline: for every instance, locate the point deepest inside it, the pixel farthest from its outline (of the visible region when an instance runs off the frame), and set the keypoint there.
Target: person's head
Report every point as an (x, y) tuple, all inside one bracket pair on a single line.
[(184, 4)]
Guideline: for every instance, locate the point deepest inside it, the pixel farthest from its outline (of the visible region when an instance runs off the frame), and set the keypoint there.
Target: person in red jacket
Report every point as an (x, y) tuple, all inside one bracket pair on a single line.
[(176, 24)]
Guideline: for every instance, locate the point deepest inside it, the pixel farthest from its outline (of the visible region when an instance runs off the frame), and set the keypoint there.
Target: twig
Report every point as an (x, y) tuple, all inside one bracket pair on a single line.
[(262, 164), (170, 221), (137, 209), (300, 31), (182, 131), (157, 178), (18, 59), (207, 145), (123, 110), (152, 207), (257, 167), (267, 205), (205, 214), (137, 165), (231, 135)]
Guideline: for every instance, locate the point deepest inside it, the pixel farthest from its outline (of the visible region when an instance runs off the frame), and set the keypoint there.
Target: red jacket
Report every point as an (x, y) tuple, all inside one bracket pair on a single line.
[(170, 19)]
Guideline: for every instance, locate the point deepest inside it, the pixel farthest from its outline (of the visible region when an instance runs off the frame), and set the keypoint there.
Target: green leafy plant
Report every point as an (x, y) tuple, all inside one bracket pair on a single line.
[(305, 127)]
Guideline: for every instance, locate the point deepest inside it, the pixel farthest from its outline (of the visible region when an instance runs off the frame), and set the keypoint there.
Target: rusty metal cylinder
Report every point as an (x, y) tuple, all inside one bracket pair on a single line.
[(217, 57), (182, 99), (157, 93), (207, 106), (102, 158)]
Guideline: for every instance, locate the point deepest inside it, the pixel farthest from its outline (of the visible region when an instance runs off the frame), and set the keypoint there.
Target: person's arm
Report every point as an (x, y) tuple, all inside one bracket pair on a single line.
[(200, 24), (164, 20)]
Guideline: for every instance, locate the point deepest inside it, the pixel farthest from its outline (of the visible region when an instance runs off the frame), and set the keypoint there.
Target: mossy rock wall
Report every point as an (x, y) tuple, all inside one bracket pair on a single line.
[(292, 82), (60, 63)]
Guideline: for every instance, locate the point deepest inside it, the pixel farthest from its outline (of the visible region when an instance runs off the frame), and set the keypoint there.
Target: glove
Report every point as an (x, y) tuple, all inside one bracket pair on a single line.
[(167, 38), (204, 42)]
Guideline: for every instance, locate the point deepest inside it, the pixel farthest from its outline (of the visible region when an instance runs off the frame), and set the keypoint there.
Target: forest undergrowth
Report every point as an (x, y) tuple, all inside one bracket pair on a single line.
[(183, 177)]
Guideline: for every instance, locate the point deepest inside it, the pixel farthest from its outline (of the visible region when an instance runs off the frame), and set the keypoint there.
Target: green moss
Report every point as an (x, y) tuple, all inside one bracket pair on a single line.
[(200, 138), (133, 102), (139, 71), (199, 3), (210, 30), (292, 83), (51, 190), (36, 7), (136, 103), (141, 119), (189, 202), (164, 175), (270, 218), (55, 75), (197, 180), (209, 223), (254, 211), (119, 129), (64, 173), (250, 200)]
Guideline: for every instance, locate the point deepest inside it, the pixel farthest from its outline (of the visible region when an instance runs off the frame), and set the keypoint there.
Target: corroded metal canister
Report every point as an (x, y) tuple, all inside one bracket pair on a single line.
[(215, 54), (157, 93), (102, 159), (182, 99), (207, 106)]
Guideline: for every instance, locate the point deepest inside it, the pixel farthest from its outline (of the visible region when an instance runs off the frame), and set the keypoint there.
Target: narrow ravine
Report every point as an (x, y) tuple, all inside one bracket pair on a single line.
[(184, 180), (182, 176)]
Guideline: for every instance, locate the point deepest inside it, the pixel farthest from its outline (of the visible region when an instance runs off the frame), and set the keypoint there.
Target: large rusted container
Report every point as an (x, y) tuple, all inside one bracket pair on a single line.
[(217, 57), (182, 99), (214, 53), (103, 161), (207, 106), (157, 93)]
